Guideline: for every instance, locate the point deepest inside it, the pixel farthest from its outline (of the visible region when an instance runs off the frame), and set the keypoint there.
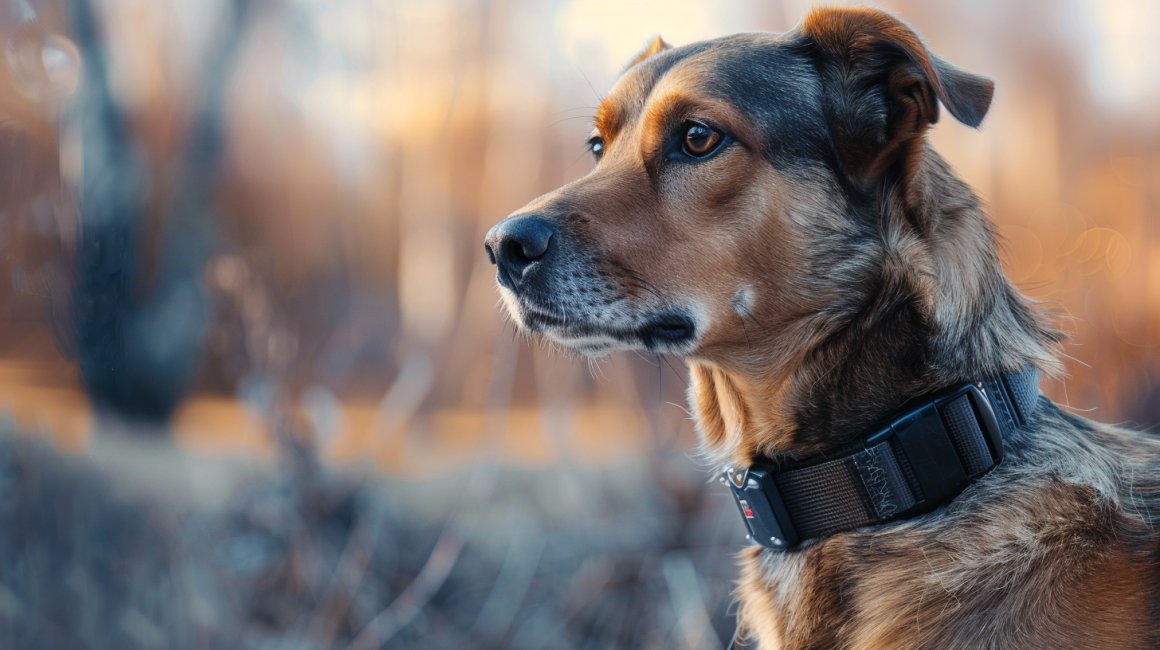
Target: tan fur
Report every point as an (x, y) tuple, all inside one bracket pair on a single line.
[(657, 44)]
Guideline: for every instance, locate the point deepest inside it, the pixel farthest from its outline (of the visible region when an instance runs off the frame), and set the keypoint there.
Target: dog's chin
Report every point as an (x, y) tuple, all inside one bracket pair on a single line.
[(665, 331)]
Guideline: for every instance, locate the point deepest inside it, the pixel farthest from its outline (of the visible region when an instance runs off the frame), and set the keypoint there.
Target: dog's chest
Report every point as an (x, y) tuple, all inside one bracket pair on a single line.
[(848, 595)]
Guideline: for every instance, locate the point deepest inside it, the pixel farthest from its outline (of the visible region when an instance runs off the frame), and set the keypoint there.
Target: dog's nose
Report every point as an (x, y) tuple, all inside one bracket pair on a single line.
[(515, 243)]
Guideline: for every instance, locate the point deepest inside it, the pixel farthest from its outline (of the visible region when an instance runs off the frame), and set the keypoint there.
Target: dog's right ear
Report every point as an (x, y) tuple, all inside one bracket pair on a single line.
[(657, 44), (883, 87)]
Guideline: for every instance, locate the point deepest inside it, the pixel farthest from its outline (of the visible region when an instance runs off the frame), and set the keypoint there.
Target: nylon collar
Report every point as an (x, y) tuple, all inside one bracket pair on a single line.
[(923, 459)]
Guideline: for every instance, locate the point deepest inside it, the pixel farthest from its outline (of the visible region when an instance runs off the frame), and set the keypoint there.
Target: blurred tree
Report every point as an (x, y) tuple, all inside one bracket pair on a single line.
[(139, 335)]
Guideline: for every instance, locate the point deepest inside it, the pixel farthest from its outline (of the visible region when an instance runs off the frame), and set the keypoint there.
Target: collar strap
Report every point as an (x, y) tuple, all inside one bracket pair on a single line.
[(920, 461)]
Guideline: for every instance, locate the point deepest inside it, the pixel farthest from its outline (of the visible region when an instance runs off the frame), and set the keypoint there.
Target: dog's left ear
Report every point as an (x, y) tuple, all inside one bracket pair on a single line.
[(657, 44), (883, 87)]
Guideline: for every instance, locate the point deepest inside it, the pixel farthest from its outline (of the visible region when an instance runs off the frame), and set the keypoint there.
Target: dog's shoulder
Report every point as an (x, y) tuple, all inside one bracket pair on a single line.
[(1122, 463), (1056, 548)]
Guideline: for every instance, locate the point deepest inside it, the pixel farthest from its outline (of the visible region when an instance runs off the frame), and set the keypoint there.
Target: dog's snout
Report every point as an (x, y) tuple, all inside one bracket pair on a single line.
[(515, 243)]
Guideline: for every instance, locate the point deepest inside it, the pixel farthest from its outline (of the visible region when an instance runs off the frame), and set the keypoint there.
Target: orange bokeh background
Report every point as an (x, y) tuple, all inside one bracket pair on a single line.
[(371, 144)]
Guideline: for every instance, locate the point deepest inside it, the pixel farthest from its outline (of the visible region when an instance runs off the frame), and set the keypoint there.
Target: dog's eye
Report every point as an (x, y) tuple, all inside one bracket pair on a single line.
[(596, 146), (700, 140)]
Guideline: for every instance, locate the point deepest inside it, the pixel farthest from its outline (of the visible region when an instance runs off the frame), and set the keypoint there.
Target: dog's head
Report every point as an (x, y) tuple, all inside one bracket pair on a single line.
[(737, 192)]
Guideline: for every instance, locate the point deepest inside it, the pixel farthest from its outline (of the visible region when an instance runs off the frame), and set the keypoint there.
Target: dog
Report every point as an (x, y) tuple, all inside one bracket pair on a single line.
[(767, 207)]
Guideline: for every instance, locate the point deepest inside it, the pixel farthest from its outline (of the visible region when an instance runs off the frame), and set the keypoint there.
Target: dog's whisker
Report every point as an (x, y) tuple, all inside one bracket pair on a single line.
[(569, 119), (590, 109), (677, 374)]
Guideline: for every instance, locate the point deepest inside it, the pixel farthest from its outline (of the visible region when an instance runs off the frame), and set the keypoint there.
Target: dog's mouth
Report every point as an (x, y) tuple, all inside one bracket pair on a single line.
[(667, 330)]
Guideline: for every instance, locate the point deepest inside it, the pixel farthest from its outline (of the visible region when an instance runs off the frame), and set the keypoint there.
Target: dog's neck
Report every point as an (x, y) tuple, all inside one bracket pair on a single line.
[(939, 313)]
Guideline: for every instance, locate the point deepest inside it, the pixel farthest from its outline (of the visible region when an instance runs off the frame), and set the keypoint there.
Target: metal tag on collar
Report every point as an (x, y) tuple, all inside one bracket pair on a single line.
[(761, 507)]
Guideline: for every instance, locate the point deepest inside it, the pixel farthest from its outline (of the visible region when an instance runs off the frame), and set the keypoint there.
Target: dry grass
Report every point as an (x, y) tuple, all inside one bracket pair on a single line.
[(306, 556)]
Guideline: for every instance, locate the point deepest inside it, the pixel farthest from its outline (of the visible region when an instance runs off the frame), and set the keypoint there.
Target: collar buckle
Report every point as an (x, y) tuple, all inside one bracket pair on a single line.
[(761, 506), (923, 439)]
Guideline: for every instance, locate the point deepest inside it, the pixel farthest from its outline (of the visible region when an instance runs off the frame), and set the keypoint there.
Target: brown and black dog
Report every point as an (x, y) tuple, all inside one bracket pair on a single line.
[(767, 207)]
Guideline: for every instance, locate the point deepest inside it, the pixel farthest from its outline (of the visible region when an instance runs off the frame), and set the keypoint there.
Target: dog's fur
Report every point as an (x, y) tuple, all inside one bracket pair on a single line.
[(830, 266)]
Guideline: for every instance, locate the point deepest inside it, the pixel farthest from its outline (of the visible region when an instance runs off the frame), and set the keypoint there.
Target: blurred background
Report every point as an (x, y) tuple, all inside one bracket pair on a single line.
[(255, 391)]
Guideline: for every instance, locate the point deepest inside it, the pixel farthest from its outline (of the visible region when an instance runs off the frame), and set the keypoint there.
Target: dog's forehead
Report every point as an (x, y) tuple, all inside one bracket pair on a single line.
[(763, 75)]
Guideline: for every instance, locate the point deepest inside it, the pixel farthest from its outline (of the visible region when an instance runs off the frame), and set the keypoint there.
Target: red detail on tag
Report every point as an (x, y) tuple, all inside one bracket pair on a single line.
[(746, 509)]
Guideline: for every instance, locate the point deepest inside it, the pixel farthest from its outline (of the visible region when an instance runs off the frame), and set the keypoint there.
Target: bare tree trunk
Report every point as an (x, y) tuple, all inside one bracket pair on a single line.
[(139, 340)]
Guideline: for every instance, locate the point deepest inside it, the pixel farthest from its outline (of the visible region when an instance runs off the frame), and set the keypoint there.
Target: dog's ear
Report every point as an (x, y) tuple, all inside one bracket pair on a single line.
[(883, 87), (656, 44)]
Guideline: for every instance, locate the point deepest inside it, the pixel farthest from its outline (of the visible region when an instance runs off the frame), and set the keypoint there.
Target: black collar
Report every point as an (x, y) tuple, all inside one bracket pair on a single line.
[(921, 460)]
